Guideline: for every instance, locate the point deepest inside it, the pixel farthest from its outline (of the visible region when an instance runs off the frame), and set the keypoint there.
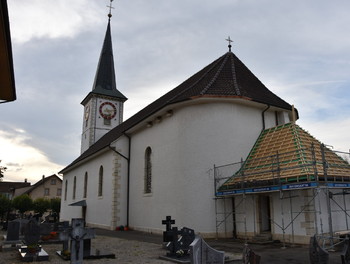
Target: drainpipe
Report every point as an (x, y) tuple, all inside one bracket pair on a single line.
[(128, 176), (263, 116), (128, 183)]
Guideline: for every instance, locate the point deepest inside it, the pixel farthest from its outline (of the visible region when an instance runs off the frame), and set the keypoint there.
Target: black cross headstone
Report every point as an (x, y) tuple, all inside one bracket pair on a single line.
[(168, 234), (168, 222)]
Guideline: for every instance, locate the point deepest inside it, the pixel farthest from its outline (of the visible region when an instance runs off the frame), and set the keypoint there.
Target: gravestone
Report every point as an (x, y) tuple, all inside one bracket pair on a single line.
[(167, 234), (46, 228), (13, 229), (178, 242), (80, 243), (202, 253), (317, 254), (249, 256), (345, 255), (76, 235), (32, 251)]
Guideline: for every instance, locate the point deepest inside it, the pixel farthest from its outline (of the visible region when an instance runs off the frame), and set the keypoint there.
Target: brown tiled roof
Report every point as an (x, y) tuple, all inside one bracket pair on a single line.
[(40, 182), (8, 187), (285, 154), (225, 77)]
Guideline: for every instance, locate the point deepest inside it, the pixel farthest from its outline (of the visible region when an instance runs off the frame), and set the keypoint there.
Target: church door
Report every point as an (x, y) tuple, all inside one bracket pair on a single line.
[(264, 213)]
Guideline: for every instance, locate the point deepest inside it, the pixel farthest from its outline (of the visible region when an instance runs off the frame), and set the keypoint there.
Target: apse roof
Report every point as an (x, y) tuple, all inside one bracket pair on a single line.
[(286, 154), (225, 77)]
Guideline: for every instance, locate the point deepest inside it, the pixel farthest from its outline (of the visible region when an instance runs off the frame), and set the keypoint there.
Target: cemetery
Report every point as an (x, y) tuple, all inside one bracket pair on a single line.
[(26, 240)]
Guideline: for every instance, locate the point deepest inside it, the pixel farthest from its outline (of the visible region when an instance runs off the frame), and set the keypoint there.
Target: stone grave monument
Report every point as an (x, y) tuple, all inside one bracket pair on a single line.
[(317, 254), (202, 253), (12, 236), (177, 242), (32, 251), (80, 243), (167, 233)]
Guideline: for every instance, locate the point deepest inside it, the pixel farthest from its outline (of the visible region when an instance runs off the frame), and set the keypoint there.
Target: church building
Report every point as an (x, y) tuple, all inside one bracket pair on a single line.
[(161, 161)]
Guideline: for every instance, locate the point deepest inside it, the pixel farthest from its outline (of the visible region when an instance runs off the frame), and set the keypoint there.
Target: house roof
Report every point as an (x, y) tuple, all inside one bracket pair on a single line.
[(286, 154), (44, 179), (225, 77), (105, 82), (9, 187)]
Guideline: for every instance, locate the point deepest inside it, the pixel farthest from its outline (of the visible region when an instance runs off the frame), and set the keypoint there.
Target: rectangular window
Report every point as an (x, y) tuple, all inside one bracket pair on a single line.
[(46, 192), (59, 192), (53, 182), (106, 122)]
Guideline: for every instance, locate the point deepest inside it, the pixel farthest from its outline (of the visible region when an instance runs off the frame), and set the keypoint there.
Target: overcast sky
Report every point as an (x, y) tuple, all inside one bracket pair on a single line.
[(299, 49)]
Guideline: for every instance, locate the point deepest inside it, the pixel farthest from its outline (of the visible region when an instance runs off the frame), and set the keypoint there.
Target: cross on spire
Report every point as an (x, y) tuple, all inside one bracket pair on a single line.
[(229, 43), (110, 9)]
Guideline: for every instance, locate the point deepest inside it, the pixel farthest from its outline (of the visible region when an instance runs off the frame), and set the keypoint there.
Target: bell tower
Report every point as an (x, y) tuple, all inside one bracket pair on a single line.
[(103, 106)]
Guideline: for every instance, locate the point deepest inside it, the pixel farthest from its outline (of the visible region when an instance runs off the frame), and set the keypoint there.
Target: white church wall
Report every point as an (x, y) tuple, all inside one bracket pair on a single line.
[(121, 173), (184, 149), (98, 211)]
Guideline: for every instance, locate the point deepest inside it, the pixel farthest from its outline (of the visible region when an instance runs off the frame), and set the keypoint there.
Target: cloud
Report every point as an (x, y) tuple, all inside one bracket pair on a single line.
[(51, 19), (292, 47), (23, 161)]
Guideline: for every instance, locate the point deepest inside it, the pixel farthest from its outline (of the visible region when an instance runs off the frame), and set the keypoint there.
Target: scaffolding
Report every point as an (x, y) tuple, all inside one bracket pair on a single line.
[(321, 172)]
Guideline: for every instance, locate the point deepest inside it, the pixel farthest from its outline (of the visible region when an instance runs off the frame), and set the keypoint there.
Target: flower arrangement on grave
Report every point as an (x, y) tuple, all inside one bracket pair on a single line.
[(180, 253), (33, 248), (52, 235), (66, 253)]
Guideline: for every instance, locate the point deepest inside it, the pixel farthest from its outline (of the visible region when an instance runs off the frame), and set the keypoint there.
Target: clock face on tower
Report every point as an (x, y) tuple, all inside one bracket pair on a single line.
[(108, 110)]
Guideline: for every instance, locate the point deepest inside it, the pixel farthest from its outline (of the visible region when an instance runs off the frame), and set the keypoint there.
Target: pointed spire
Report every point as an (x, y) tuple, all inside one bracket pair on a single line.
[(105, 81)]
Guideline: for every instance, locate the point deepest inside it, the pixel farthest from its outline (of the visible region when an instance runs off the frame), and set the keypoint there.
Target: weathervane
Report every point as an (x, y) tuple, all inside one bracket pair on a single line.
[(229, 43), (110, 9)]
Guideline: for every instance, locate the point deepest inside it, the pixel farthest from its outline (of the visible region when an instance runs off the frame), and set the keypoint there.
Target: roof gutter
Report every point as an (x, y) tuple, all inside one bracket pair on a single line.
[(263, 116)]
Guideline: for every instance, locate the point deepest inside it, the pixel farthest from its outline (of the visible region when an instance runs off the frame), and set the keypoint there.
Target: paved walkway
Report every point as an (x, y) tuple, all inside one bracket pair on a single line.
[(270, 253)]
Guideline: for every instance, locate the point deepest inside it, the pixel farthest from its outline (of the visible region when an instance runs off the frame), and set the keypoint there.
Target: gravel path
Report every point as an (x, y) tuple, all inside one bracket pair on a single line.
[(126, 251)]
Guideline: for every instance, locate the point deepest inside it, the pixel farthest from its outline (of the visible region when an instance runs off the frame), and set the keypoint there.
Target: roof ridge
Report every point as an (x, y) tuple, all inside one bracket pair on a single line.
[(197, 81), (215, 76), (234, 77)]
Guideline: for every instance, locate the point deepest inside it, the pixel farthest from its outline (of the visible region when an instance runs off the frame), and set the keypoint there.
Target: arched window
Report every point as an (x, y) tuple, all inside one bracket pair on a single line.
[(85, 184), (100, 182), (65, 190), (74, 187), (148, 170)]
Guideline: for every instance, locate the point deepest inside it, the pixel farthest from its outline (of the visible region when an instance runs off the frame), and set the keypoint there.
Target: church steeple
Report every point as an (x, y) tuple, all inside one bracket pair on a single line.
[(105, 83), (103, 106)]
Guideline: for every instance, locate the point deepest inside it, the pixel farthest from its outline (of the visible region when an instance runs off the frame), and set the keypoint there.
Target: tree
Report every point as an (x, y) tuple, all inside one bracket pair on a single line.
[(55, 205), (5, 205), (22, 203), (2, 170), (41, 205)]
